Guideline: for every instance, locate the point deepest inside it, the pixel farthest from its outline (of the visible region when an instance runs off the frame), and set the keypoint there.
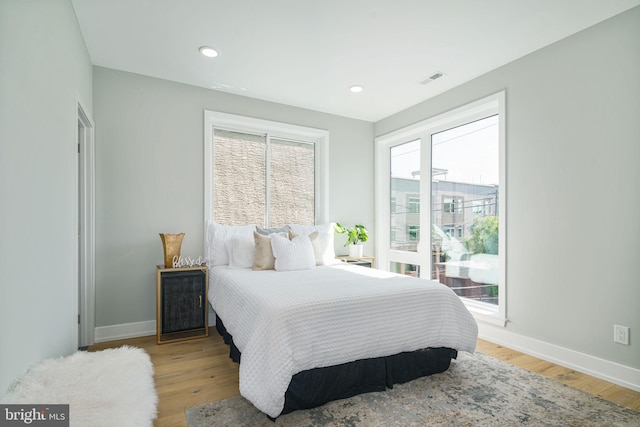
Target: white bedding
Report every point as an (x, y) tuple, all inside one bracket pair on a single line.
[(288, 322)]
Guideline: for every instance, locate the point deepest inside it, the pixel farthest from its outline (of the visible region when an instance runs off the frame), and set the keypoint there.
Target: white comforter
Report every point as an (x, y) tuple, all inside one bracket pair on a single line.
[(288, 322)]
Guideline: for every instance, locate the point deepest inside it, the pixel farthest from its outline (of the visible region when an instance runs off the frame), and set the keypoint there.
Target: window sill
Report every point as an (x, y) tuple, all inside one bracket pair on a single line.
[(483, 312)]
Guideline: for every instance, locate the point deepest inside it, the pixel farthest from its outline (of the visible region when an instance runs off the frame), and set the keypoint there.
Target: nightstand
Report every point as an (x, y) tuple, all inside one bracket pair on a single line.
[(367, 261), (181, 303)]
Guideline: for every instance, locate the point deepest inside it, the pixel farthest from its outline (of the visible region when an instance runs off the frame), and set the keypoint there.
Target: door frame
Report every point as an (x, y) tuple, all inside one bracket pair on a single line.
[(85, 224)]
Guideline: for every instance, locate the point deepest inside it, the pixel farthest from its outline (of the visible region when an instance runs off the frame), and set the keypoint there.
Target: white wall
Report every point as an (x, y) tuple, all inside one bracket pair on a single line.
[(44, 65), (573, 149), (149, 178)]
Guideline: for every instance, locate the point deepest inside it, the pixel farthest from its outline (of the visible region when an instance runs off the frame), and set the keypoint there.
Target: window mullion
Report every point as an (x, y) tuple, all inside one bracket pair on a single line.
[(424, 247), (267, 185)]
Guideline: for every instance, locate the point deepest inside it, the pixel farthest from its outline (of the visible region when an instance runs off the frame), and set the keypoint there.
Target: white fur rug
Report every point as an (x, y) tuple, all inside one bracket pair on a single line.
[(112, 387)]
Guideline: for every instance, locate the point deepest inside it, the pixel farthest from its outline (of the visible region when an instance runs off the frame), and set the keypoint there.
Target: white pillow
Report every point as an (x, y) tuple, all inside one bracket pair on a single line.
[(217, 237), (294, 254), (323, 248), (241, 251)]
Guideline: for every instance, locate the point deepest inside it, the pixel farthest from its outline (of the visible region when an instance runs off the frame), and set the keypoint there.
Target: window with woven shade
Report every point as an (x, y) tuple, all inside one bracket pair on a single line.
[(262, 172)]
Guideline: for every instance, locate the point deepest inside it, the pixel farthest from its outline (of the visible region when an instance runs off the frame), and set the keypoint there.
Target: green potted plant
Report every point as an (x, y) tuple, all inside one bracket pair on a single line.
[(356, 236)]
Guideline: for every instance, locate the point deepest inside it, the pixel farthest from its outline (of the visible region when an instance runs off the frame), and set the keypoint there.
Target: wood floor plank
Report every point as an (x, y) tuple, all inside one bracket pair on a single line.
[(195, 372)]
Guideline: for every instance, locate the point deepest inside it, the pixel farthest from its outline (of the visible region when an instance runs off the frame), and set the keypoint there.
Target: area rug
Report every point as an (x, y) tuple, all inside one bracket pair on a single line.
[(477, 390), (107, 388)]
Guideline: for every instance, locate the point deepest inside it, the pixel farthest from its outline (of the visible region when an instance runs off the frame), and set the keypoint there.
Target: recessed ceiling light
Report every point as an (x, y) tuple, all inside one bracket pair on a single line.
[(356, 88), (208, 51)]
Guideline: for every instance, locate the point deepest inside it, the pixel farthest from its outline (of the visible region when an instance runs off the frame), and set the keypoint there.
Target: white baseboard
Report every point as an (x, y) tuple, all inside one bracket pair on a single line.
[(613, 372), (131, 330), (125, 330)]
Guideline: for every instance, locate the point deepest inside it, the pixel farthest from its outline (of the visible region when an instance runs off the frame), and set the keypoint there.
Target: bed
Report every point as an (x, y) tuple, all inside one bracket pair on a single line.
[(304, 337)]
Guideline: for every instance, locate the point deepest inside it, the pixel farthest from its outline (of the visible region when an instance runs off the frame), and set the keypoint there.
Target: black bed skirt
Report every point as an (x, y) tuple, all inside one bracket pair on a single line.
[(318, 386)]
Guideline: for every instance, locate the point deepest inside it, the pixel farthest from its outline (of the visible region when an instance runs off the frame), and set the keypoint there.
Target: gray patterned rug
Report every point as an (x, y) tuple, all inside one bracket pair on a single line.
[(477, 390)]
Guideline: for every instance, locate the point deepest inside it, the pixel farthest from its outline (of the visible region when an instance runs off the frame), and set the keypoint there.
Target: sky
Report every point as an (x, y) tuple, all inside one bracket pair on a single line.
[(470, 153)]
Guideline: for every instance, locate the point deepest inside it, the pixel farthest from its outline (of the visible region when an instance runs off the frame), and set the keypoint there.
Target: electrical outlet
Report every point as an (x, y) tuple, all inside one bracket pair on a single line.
[(621, 334)]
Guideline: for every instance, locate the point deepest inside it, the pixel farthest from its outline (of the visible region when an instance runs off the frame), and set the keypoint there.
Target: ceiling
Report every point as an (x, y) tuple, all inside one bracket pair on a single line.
[(308, 53)]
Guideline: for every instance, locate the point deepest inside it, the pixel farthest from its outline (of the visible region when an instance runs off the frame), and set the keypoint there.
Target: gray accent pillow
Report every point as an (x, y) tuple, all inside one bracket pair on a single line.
[(267, 231)]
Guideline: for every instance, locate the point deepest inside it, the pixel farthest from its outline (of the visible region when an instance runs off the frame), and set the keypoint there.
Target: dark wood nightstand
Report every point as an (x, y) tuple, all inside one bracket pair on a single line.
[(181, 303)]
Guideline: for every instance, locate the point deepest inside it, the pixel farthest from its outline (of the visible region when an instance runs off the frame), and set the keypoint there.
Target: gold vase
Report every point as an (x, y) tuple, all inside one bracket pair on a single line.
[(171, 244)]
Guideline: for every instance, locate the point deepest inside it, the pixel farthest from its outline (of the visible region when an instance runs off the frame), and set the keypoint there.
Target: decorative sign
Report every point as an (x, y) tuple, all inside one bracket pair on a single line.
[(182, 262)]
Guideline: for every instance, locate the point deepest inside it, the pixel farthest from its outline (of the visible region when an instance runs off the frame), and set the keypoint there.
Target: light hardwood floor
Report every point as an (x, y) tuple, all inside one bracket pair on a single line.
[(191, 373)]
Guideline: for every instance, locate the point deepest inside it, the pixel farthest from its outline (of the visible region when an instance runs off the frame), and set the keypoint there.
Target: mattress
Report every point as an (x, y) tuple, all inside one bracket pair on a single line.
[(288, 322)]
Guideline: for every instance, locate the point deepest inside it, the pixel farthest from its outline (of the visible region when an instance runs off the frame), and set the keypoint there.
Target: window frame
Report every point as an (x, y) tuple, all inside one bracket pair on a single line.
[(272, 129), (490, 105)]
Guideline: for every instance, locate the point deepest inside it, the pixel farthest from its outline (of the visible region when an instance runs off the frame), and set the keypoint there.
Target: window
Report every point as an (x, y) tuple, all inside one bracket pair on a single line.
[(414, 205), (403, 163), (449, 205), (291, 183), (449, 230), (470, 153), (265, 173), (462, 243), (452, 205), (414, 233), (477, 207), (239, 185), (407, 269)]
